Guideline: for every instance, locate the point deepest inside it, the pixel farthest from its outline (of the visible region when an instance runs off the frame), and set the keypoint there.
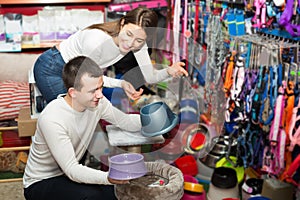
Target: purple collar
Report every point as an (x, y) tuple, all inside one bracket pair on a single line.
[(286, 18)]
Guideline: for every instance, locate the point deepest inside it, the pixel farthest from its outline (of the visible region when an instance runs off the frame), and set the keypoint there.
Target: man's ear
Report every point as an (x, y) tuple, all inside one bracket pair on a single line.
[(72, 92)]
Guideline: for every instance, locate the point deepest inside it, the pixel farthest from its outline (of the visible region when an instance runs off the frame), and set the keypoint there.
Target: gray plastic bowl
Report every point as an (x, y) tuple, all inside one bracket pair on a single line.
[(157, 119)]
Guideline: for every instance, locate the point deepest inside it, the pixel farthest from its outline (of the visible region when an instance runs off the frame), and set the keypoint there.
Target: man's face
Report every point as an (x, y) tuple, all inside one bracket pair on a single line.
[(90, 93)]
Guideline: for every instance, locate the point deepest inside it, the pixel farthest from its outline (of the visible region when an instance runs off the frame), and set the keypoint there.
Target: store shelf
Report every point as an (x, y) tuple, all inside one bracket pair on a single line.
[(10, 176), (32, 7), (40, 46), (124, 7), (23, 148), (51, 1), (10, 180), (17, 149), (8, 128)]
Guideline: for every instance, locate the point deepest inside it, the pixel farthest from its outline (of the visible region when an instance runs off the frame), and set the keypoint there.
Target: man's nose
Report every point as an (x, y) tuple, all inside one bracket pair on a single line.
[(98, 94)]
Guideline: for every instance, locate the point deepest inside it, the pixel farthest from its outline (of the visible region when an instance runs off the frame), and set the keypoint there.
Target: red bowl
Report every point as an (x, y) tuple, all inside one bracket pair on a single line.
[(187, 165)]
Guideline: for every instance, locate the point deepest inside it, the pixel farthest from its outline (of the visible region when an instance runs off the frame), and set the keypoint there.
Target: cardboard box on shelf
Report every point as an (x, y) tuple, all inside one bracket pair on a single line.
[(26, 125)]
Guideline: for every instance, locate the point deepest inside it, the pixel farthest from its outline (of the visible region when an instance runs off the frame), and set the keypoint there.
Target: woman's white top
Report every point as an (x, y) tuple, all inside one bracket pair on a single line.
[(100, 47)]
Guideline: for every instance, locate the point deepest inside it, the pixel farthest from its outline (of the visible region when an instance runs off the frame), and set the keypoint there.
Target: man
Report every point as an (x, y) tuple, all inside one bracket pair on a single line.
[(64, 131)]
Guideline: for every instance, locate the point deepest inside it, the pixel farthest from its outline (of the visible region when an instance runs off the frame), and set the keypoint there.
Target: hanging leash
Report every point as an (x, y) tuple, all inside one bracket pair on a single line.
[(274, 152), (290, 97), (294, 131), (256, 103), (228, 77), (259, 18), (252, 77), (238, 83), (268, 112), (264, 100), (176, 31)]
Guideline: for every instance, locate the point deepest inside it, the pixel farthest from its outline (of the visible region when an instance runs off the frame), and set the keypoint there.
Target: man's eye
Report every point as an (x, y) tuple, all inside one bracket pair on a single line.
[(93, 91)]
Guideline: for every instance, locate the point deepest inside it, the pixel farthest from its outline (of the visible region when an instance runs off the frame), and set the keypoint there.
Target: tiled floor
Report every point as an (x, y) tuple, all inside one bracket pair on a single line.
[(11, 191)]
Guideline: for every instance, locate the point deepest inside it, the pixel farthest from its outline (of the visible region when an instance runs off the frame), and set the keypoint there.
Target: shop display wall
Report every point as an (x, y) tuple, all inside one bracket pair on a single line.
[(15, 66)]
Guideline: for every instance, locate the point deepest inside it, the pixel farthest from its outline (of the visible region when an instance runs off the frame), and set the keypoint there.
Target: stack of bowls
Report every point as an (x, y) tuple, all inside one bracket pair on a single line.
[(223, 184), (192, 189), (220, 147)]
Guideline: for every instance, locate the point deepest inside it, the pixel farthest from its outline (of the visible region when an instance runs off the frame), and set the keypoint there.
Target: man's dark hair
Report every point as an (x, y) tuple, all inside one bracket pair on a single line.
[(76, 68)]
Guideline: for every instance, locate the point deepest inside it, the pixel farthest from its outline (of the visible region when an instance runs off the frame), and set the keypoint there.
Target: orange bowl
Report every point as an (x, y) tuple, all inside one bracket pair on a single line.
[(193, 187)]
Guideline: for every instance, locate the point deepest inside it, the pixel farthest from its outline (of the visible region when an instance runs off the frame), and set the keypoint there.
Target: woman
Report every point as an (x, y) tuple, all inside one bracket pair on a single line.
[(106, 44)]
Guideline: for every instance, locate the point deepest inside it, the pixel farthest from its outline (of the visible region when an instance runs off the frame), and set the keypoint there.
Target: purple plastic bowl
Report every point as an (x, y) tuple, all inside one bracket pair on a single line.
[(127, 166)]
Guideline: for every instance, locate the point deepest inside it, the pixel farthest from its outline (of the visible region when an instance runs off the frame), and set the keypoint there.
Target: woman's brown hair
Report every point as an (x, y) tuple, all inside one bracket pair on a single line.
[(140, 16)]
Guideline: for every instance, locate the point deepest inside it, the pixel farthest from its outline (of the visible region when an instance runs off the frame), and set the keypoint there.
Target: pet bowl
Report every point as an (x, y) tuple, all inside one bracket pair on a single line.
[(189, 178), (157, 119), (224, 177), (196, 139), (127, 166), (187, 165), (192, 189), (240, 172), (220, 144), (211, 159), (188, 111)]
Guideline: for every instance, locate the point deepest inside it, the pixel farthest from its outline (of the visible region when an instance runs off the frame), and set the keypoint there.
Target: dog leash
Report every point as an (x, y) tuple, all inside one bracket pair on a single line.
[(274, 152), (294, 131)]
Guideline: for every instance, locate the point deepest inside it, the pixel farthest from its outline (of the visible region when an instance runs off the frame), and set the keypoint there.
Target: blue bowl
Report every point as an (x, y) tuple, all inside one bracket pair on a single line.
[(188, 111), (157, 119)]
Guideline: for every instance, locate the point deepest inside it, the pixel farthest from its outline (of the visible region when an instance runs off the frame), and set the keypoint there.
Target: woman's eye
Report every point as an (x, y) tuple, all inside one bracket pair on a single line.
[(129, 33)]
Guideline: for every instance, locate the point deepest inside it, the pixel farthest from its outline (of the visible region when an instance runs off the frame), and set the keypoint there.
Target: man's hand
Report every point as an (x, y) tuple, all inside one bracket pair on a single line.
[(114, 181), (177, 70), (130, 91)]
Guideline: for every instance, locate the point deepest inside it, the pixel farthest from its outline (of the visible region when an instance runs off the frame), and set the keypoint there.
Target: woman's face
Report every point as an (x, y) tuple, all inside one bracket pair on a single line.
[(131, 38)]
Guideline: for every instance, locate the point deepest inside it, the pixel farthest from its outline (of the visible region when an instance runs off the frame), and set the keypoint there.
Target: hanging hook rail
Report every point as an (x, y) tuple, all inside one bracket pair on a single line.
[(270, 43)]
